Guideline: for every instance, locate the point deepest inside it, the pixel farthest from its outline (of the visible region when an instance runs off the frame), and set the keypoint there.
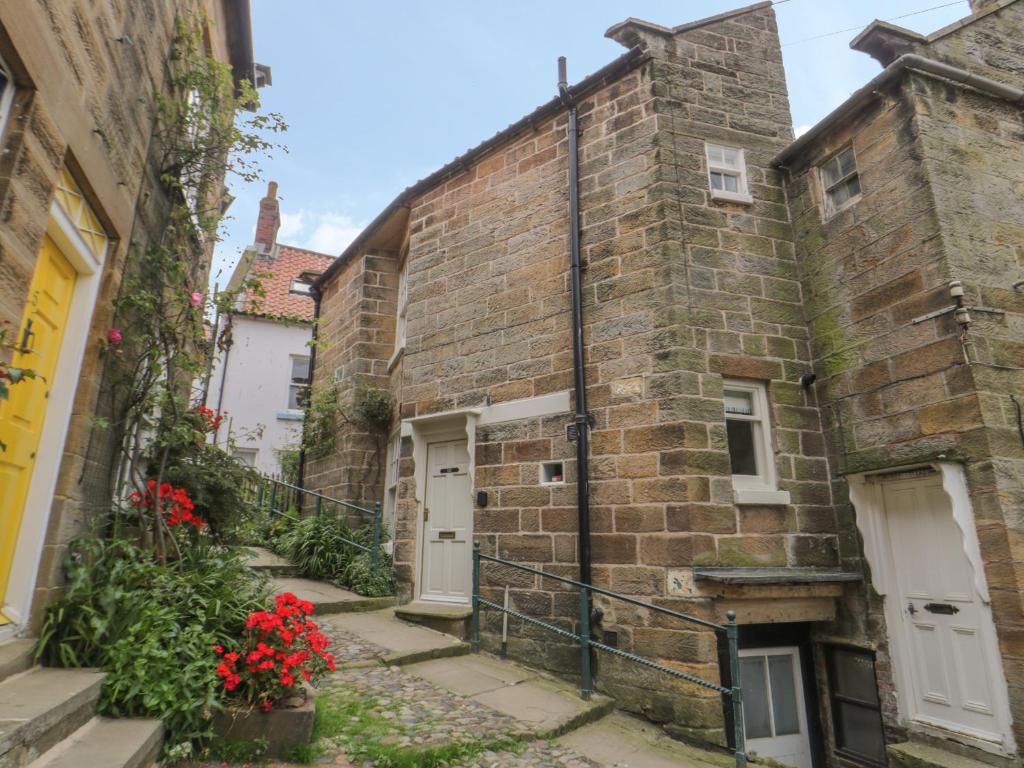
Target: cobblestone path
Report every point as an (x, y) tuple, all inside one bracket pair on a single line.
[(347, 647)]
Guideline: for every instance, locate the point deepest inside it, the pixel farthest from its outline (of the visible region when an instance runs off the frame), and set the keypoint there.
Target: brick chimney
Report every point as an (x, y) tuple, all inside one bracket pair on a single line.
[(980, 6), (269, 220)]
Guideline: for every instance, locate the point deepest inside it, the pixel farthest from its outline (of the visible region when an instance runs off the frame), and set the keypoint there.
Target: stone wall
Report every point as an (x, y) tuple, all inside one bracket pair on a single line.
[(82, 100)]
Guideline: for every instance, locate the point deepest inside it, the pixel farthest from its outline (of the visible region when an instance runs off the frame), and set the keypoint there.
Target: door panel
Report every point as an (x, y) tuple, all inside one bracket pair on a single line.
[(946, 624), (22, 416), (447, 529), (774, 712)]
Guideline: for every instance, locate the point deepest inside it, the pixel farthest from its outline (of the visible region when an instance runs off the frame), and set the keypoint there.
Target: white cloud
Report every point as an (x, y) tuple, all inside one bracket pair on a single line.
[(800, 130), (328, 232)]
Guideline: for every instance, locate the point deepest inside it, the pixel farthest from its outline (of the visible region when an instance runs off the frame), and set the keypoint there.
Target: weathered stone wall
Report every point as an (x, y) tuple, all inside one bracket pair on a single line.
[(988, 46), (355, 339), (83, 100)]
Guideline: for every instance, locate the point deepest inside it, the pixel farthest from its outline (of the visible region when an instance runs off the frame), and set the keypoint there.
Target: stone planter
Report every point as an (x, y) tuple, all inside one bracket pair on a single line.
[(288, 725)]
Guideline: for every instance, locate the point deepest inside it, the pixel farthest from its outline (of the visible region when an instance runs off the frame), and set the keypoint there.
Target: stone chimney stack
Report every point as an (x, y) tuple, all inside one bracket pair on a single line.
[(980, 6), (269, 220)]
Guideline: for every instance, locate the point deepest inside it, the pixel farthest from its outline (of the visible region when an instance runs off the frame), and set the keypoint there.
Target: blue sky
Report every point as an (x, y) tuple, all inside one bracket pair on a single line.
[(379, 94)]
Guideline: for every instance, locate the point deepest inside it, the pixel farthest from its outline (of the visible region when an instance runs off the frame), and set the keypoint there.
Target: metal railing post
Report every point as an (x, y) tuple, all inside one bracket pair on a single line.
[(587, 688), (319, 506), (732, 636), (375, 553), (259, 494), (475, 630), (273, 494)]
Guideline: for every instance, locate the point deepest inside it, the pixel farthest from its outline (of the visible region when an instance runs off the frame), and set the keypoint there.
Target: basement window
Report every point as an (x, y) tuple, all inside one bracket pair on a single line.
[(856, 711), (840, 182), (750, 444), (727, 173)]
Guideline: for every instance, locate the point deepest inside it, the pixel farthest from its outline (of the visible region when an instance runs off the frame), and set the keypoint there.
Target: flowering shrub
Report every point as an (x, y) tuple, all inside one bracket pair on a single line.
[(280, 649), (211, 420), (175, 503)]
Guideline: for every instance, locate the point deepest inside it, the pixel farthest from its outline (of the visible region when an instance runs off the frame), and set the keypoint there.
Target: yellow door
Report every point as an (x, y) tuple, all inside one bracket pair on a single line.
[(22, 416)]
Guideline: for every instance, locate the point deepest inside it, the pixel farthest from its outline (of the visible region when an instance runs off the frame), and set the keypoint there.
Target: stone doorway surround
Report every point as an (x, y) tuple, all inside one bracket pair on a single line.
[(865, 494), (462, 423)]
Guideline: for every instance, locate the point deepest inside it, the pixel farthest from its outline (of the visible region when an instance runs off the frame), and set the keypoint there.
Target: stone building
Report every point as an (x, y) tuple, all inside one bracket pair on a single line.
[(79, 190), (803, 368), (269, 333)]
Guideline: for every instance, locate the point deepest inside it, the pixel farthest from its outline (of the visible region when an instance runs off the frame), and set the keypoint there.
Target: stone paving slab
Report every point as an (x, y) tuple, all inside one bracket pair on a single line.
[(327, 598), (401, 642), (262, 559), (620, 740)]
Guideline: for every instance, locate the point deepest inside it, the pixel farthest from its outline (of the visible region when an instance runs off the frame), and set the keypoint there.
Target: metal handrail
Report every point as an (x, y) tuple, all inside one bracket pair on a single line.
[(586, 642), (373, 549)]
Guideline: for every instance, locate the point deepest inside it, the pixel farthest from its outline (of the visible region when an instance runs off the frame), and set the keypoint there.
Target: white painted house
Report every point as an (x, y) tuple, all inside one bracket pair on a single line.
[(261, 377)]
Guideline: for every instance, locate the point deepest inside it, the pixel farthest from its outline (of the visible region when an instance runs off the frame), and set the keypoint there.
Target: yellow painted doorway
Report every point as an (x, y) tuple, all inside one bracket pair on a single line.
[(21, 417)]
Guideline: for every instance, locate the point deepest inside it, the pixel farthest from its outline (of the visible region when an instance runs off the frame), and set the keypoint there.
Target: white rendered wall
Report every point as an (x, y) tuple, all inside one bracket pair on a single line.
[(259, 372)]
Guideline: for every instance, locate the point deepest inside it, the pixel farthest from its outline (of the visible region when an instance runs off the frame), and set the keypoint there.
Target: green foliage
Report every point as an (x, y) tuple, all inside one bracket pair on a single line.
[(216, 483), (289, 460), (321, 422), (360, 576), (152, 627), (372, 408)]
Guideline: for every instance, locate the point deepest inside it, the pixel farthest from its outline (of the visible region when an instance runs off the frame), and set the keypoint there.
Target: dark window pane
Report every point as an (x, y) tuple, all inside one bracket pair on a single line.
[(756, 719), (854, 675), (717, 181), (853, 186), (300, 369), (732, 183), (780, 671), (741, 447), (847, 162), (859, 730)]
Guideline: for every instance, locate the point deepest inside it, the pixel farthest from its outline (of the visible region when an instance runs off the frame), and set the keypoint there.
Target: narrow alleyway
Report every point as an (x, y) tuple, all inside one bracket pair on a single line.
[(406, 687)]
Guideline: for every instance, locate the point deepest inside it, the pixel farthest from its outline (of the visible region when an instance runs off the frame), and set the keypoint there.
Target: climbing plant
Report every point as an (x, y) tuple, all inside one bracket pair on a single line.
[(207, 128)]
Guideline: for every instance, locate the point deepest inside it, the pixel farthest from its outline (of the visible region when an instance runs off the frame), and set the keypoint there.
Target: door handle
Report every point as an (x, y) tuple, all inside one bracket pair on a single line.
[(426, 514), (26, 337), (911, 609), (943, 608)]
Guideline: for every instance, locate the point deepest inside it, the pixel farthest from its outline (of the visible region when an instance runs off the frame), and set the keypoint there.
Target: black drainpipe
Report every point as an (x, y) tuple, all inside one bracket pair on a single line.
[(582, 418), (314, 291)]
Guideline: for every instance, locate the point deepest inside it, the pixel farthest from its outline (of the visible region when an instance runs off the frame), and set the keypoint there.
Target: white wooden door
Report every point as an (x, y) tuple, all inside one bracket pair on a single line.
[(447, 524), (774, 714), (947, 630)]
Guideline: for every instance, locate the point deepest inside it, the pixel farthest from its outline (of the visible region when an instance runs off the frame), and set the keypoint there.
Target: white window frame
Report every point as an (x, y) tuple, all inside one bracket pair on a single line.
[(761, 488), (7, 97), (829, 208), (401, 310), (245, 454), (292, 383), (391, 473), (299, 286), (739, 171)]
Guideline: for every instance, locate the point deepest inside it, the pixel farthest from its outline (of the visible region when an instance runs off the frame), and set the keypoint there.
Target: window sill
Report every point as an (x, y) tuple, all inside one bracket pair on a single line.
[(732, 197), (289, 415), (766, 498)]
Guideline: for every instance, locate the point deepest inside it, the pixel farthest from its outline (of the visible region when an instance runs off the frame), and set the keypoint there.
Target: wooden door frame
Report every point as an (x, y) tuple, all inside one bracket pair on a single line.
[(17, 600), (866, 496)]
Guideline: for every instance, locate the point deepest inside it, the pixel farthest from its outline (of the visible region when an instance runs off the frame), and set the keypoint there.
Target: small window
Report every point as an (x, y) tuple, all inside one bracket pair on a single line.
[(391, 480), (840, 182), (552, 473), (299, 286), (245, 455), (298, 389), (6, 94), (727, 173), (750, 444), (856, 712)]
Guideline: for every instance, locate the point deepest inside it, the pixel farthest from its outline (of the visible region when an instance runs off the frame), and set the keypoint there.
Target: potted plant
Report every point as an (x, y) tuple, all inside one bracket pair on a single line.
[(269, 677)]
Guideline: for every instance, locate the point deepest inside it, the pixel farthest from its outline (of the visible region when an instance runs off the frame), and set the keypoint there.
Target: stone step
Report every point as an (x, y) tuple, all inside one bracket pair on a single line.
[(41, 707), (452, 619), (327, 598), (545, 707), (619, 739), (106, 743), (261, 559), (16, 656), (360, 639), (912, 754)]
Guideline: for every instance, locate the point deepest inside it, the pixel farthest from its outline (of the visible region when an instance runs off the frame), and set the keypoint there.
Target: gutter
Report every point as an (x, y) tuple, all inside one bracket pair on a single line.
[(906, 62), (582, 417), (614, 69)]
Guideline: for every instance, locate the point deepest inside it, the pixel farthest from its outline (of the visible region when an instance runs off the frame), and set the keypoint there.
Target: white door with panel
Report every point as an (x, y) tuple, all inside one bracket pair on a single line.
[(774, 714), (447, 524), (946, 629)]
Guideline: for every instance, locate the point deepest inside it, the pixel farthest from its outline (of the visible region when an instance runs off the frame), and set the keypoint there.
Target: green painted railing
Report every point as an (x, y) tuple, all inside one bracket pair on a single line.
[(278, 497), (734, 693)]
